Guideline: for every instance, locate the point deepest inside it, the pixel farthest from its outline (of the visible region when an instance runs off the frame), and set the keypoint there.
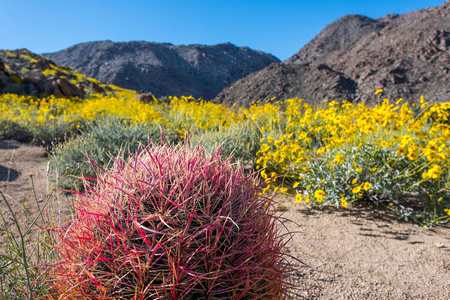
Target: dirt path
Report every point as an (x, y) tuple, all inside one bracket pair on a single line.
[(18, 162), (354, 253)]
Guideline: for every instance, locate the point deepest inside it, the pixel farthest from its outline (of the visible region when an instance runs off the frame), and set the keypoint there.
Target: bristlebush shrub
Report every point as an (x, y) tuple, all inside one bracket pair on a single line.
[(240, 141), (14, 130), (172, 222), (105, 137)]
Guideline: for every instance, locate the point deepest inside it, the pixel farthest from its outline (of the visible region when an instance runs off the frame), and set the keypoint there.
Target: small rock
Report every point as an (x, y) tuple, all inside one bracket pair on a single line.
[(96, 88), (146, 98)]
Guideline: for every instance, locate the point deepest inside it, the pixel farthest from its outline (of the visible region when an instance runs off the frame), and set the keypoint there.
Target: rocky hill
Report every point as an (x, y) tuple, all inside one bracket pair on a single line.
[(26, 73), (336, 39), (406, 55), (284, 81), (164, 69)]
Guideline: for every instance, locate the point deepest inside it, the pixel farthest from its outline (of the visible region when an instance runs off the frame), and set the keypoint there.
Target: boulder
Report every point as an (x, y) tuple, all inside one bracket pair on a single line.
[(96, 88), (42, 64), (45, 86), (68, 89), (59, 87), (146, 98)]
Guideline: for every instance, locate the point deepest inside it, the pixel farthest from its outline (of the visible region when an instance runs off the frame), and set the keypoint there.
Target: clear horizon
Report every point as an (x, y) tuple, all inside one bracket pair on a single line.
[(280, 28)]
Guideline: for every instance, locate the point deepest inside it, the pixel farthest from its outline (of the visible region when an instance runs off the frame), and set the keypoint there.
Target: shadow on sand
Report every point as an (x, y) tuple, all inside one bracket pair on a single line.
[(4, 145), (7, 174)]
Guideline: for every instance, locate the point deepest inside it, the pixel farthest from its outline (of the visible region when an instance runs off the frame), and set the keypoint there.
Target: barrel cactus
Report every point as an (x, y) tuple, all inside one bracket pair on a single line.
[(171, 222)]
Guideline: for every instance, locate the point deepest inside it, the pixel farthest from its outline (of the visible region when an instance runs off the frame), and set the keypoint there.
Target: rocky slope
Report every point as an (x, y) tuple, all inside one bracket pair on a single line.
[(284, 81), (25, 73), (336, 39), (406, 55), (164, 69)]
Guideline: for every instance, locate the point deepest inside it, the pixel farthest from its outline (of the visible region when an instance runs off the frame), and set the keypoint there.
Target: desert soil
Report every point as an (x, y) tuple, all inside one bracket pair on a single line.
[(354, 253)]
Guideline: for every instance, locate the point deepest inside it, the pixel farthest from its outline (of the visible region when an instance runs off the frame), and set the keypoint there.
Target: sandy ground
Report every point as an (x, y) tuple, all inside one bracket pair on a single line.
[(354, 253), (24, 183), (18, 163), (362, 253)]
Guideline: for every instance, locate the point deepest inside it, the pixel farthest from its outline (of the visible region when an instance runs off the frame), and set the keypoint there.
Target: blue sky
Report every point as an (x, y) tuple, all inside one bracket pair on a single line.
[(279, 27)]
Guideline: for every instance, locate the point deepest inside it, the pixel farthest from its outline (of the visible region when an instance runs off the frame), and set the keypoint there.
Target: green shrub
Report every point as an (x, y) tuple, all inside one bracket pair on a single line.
[(99, 141), (240, 141)]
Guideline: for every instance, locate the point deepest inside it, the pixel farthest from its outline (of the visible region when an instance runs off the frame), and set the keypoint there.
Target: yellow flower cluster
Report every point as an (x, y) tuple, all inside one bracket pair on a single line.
[(180, 114), (319, 195), (187, 113), (328, 153), (31, 111), (325, 150), (433, 173)]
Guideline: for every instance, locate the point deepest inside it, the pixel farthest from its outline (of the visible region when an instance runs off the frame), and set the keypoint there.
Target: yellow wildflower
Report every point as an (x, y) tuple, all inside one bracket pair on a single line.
[(432, 173), (264, 174), (320, 150), (413, 153), (343, 201), (384, 144), (356, 189), (319, 195), (435, 171), (339, 158), (402, 151), (367, 186), (441, 156)]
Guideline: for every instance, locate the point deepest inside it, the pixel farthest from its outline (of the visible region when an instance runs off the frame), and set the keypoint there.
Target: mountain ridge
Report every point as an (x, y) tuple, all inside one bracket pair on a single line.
[(163, 68)]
